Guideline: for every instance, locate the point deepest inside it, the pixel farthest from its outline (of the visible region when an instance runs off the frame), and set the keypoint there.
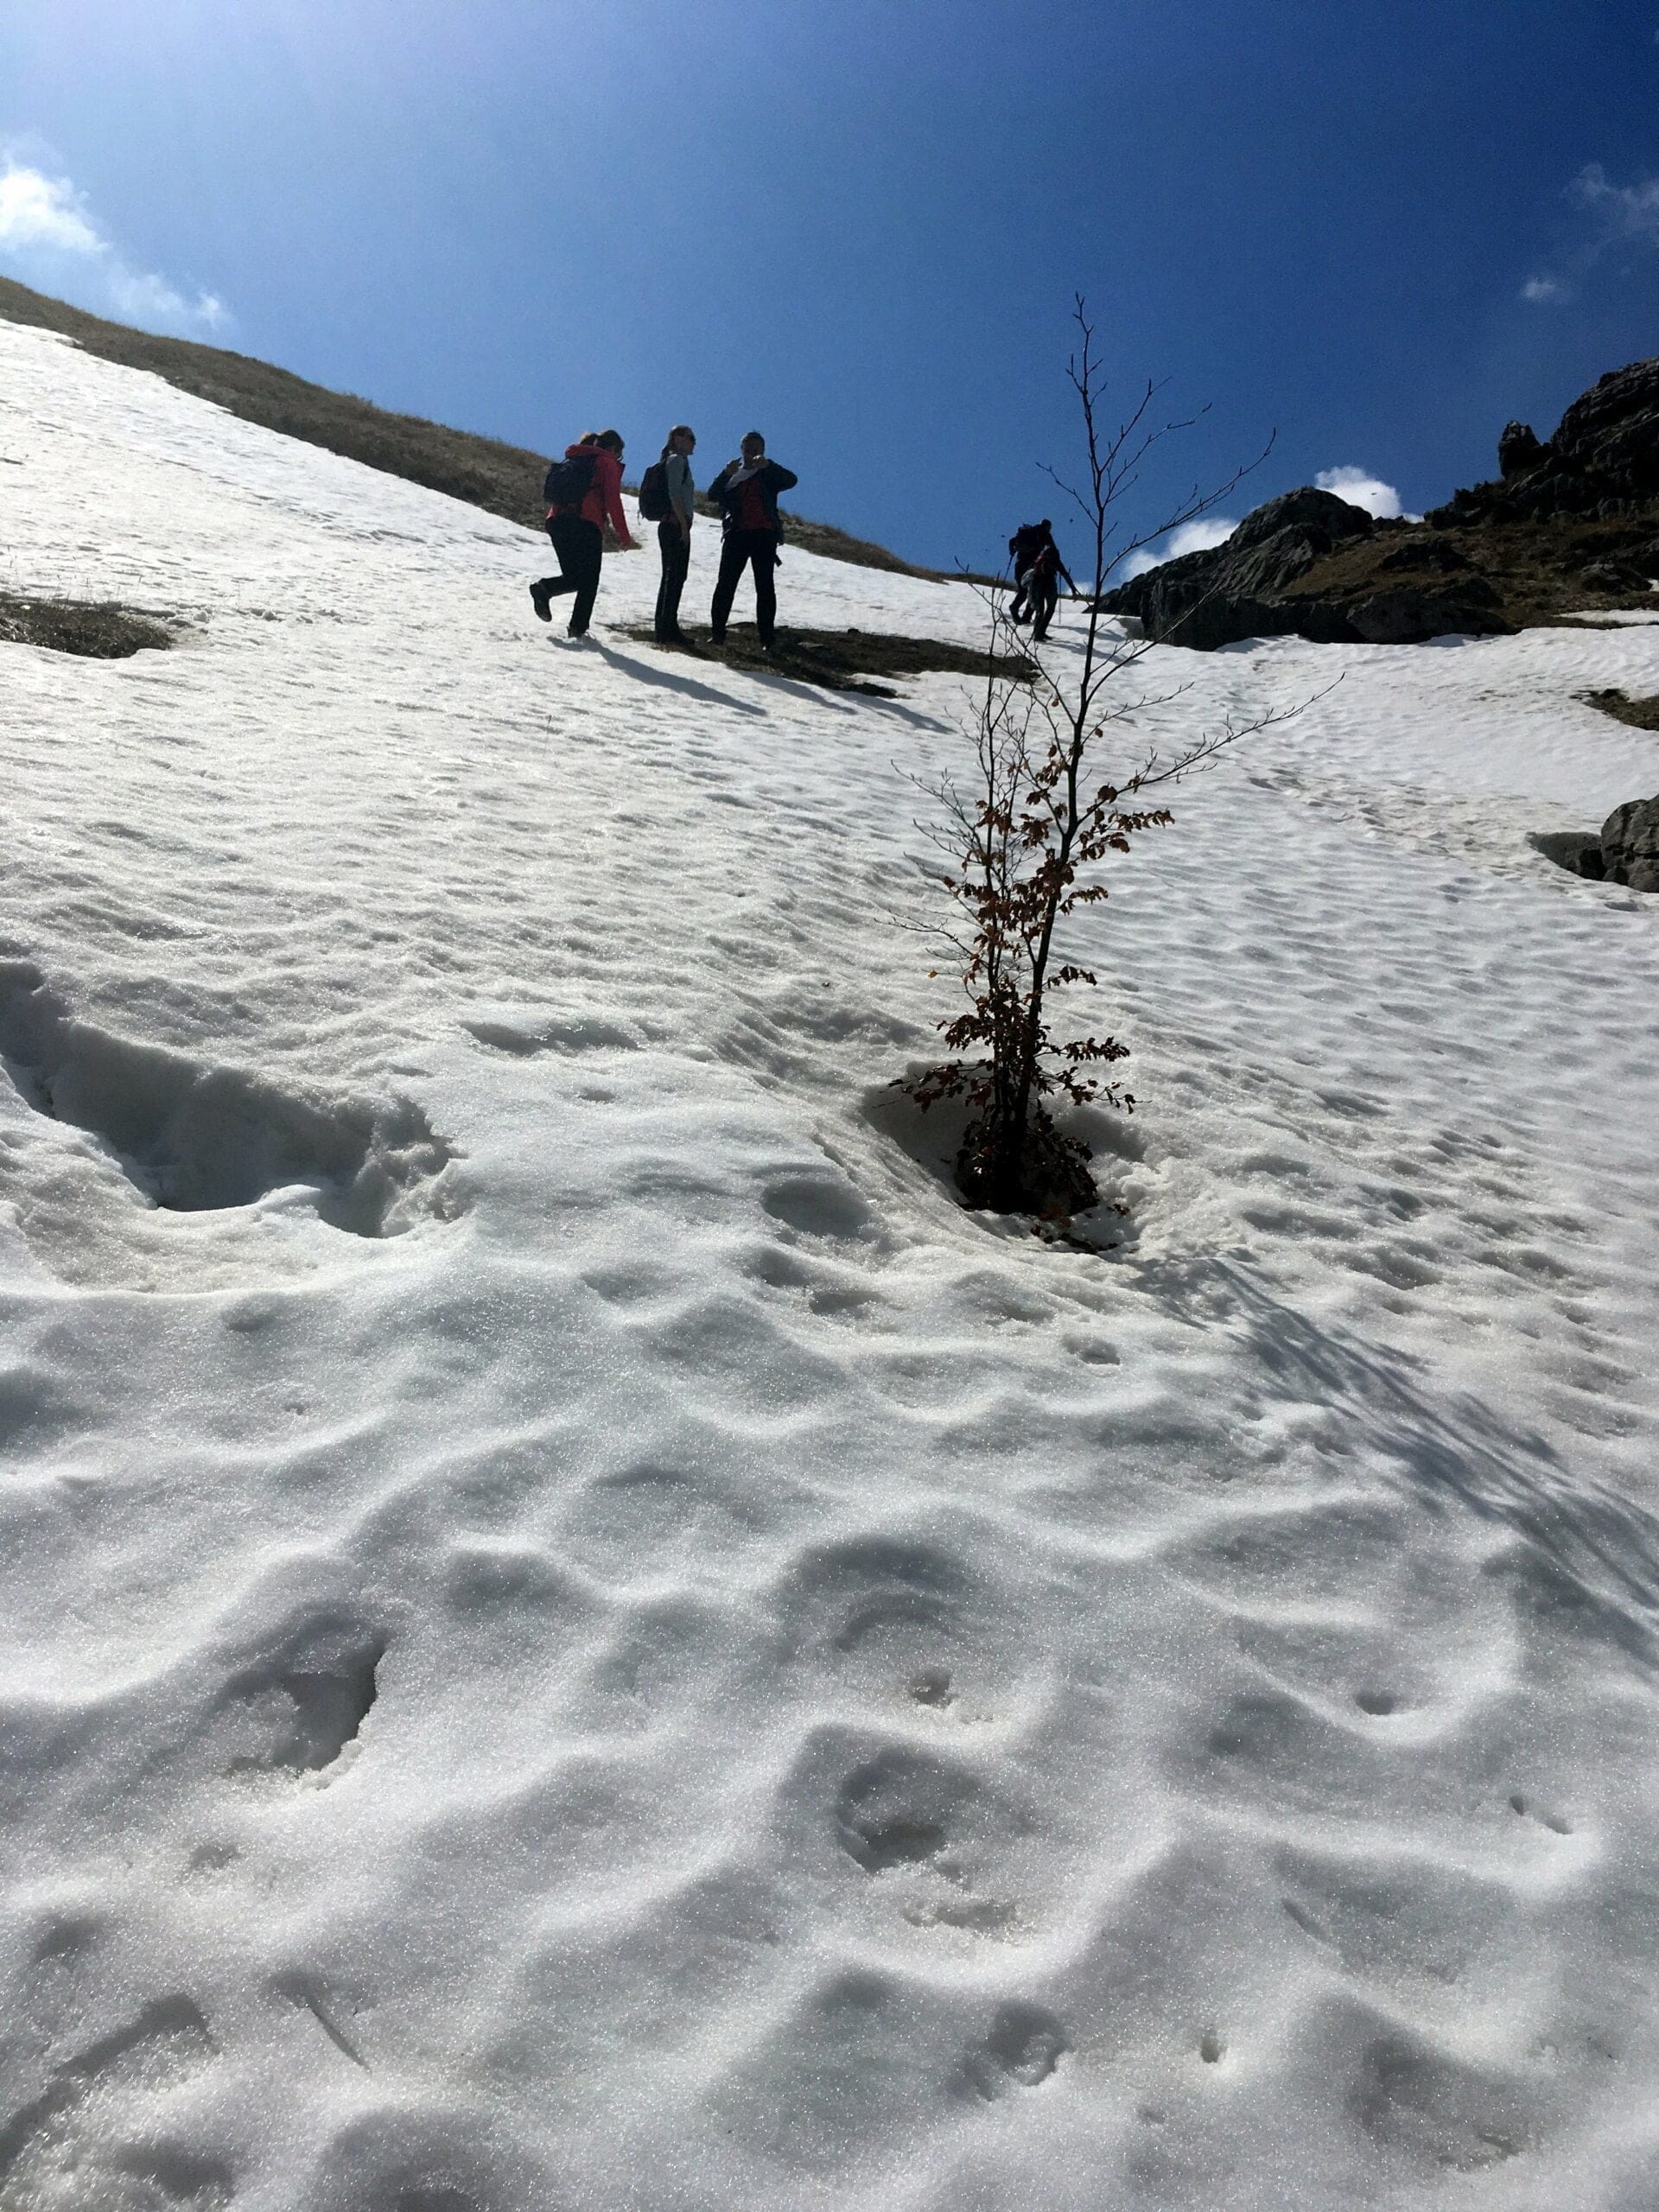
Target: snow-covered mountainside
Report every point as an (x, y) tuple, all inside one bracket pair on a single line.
[(573, 1633)]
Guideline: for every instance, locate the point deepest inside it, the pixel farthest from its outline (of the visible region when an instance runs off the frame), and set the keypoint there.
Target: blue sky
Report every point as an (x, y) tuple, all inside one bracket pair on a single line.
[(1377, 227)]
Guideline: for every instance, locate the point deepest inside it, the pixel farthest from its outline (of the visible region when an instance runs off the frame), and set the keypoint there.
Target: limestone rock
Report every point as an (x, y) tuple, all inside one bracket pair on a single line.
[(1630, 844)]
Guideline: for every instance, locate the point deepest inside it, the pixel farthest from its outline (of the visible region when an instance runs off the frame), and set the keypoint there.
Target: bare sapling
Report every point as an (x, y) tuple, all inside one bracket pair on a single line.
[(1024, 842)]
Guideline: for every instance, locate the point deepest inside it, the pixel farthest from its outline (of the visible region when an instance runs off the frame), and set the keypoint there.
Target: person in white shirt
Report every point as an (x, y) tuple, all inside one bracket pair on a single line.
[(674, 532)]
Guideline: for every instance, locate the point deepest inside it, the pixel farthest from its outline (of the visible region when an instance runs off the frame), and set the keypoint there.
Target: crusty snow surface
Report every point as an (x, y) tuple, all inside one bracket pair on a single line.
[(574, 1632)]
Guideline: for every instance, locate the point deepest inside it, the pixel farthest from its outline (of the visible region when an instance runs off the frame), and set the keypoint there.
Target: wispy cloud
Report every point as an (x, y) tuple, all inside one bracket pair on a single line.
[(1610, 215), (1192, 537), (1628, 210), (1361, 489), (49, 238)]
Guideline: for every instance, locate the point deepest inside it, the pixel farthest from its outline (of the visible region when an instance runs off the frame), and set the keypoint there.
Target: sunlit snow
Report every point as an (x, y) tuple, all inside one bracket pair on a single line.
[(573, 1631)]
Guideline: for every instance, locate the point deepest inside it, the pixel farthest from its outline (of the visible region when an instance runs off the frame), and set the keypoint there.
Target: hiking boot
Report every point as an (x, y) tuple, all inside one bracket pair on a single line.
[(542, 600)]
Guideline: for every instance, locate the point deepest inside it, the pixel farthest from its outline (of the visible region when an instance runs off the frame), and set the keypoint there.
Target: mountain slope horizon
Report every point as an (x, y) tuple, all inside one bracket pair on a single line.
[(489, 473)]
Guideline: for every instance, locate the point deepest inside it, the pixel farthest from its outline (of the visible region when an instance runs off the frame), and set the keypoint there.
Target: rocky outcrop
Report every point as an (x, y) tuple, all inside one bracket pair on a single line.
[(1570, 523), (1246, 588), (1603, 459), (1231, 591), (1611, 434)]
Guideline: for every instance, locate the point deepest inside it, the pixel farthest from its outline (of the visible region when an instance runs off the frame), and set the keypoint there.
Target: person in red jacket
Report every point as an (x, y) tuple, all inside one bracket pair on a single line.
[(577, 529)]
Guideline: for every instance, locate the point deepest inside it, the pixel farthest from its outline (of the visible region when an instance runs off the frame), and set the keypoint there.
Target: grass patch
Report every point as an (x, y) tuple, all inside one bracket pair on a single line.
[(1640, 714), (98, 629), (1535, 570), (840, 660)]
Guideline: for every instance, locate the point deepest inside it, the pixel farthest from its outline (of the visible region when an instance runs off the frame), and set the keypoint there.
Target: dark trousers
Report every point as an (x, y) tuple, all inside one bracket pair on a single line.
[(1043, 596), (739, 549), (675, 545), (581, 548)]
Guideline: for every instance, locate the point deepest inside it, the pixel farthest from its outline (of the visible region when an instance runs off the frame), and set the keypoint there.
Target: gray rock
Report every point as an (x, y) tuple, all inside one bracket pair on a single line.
[(1519, 450), (1630, 844), (1603, 459), (1265, 565), (1306, 509), (1228, 593), (1612, 432), (1408, 618)]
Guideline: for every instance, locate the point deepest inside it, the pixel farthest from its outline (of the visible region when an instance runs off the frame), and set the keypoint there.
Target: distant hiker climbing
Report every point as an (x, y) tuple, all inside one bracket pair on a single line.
[(746, 490), (668, 496), (581, 491), (1038, 569)]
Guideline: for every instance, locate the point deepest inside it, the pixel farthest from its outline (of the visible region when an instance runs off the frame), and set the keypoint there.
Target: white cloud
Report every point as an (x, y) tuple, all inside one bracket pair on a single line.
[(48, 238), (1629, 211), (1540, 288), (1192, 537), (1361, 489), (36, 210)]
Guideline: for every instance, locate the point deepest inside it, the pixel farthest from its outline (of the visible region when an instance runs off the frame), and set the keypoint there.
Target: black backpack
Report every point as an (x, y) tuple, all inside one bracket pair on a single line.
[(654, 506), (570, 481)]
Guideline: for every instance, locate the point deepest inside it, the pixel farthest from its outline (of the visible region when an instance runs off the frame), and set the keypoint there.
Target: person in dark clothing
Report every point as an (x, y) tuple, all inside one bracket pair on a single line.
[(1022, 549), (746, 490), (674, 532), (1042, 587), (578, 532), (1038, 569)]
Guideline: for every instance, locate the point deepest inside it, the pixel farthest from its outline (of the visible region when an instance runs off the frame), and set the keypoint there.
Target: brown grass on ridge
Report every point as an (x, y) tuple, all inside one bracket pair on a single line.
[(502, 479)]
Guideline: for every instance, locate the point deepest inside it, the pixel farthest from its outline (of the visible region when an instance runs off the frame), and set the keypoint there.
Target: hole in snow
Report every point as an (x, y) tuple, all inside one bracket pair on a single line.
[(196, 1138), (305, 1701), (1025, 2045), (899, 1810)]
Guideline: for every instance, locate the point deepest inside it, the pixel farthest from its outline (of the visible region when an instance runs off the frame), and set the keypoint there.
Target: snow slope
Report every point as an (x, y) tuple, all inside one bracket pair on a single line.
[(573, 1633)]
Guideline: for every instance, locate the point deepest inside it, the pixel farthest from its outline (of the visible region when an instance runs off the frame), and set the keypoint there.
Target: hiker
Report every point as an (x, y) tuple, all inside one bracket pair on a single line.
[(668, 496), (1038, 569), (581, 491), (748, 493)]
